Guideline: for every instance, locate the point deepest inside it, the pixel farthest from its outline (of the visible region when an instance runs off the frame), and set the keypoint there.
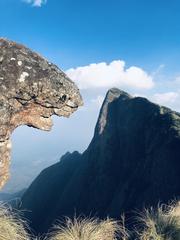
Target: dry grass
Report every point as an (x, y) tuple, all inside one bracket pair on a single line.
[(89, 229), (11, 227), (162, 223)]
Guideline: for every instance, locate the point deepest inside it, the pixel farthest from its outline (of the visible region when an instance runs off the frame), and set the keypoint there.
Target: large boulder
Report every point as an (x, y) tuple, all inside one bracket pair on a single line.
[(32, 90)]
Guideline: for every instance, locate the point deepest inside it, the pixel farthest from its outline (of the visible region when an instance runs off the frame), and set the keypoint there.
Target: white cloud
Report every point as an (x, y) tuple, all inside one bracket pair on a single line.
[(165, 98), (36, 3), (115, 74)]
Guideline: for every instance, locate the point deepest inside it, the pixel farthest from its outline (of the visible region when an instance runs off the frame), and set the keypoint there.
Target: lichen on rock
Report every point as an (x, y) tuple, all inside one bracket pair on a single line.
[(31, 91)]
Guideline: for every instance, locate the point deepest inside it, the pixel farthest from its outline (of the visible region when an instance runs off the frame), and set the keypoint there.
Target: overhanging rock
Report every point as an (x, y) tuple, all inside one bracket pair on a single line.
[(31, 91)]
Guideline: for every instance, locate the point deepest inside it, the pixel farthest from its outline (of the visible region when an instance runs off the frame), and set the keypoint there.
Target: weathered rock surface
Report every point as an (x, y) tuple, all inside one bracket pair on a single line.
[(31, 91), (132, 161)]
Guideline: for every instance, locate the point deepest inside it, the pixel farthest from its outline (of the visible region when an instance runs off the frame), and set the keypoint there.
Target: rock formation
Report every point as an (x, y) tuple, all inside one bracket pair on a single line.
[(32, 90), (132, 161)]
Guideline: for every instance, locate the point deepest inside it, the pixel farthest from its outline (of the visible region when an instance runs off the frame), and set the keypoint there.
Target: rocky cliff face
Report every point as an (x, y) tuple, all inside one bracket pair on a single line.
[(32, 90), (132, 161)]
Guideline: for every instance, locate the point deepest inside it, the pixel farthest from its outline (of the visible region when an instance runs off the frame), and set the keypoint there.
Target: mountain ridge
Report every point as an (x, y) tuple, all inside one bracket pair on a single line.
[(132, 161)]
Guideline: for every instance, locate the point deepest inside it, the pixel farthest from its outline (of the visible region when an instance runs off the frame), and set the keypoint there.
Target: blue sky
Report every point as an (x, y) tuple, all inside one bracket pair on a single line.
[(74, 33), (130, 44)]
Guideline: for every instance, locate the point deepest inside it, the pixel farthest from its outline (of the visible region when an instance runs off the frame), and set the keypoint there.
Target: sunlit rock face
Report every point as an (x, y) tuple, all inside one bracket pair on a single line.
[(31, 91)]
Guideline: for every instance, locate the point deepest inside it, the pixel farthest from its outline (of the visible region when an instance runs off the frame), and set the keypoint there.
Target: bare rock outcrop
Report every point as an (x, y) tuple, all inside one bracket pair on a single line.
[(31, 91)]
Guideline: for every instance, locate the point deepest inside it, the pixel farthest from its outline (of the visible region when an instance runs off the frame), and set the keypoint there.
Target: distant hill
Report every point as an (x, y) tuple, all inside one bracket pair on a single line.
[(132, 161), (12, 199)]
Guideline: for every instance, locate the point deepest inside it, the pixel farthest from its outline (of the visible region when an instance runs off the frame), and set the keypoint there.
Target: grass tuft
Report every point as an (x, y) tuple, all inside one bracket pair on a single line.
[(89, 229), (162, 223), (11, 227)]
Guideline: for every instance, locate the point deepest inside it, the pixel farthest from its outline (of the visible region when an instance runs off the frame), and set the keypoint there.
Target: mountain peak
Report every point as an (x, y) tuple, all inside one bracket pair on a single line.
[(112, 95), (132, 162)]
